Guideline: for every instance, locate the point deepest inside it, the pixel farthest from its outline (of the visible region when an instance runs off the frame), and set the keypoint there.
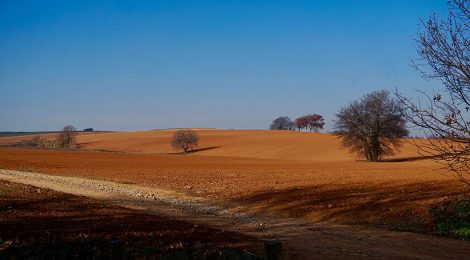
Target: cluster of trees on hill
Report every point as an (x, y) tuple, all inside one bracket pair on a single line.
[(311, 122), (371, 127)]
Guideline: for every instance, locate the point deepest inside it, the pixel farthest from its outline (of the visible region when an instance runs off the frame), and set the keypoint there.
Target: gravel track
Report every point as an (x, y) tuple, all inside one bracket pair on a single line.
[(108, 189)]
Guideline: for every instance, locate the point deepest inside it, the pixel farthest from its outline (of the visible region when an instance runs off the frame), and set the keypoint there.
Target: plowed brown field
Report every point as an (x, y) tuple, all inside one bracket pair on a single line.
[(268, 172), (263, 144)]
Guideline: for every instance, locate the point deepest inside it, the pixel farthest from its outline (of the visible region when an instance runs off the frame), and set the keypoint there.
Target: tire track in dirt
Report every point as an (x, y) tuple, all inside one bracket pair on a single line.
[(300, 238)]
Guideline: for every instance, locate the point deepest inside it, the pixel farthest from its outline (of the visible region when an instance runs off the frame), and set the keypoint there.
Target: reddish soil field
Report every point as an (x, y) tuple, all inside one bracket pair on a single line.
[(45, 224), (392, 193), (262, 144)]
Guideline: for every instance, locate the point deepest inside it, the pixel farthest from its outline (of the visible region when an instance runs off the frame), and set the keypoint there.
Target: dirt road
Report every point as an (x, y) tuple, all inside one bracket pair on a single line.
[(301, 239)]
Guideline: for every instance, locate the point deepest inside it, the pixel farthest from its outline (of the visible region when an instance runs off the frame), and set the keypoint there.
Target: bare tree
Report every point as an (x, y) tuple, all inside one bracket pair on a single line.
[(282, 123), (67, 136), (443, 47), (185, 140), (371, 127)]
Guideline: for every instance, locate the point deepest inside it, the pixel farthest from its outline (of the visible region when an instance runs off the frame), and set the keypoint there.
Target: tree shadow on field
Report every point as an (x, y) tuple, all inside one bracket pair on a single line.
[(204, 149), (368, 204), (83, 144), (199, 150), (411, 158)]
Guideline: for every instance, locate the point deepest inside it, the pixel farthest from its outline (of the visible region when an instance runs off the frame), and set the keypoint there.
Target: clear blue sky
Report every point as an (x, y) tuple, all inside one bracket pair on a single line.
[(130, 65)]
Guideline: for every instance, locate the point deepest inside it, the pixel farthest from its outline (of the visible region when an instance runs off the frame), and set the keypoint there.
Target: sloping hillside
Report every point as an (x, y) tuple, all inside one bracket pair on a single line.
[(265, 144)]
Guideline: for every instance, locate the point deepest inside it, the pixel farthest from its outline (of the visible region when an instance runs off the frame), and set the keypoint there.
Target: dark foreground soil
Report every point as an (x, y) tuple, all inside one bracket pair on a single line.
[(43, 224)]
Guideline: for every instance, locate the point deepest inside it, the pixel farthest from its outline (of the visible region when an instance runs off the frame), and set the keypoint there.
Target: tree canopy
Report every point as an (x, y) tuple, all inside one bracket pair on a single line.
[(371, 127)]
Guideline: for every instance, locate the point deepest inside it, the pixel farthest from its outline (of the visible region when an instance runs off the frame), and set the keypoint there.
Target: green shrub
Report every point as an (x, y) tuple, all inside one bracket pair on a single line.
[(452, 219)]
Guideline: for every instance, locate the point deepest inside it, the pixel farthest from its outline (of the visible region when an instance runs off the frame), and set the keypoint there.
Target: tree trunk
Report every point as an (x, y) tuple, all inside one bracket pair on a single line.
[(375, 148)]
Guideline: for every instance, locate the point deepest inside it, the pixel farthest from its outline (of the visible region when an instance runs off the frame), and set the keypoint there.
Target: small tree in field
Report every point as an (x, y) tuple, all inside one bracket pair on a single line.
[(67, 136), (185, 140), (373, 126), (282, 123)]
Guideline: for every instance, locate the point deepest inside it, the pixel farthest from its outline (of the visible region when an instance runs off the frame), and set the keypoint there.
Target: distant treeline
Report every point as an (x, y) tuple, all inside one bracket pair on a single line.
[(2, 134), (12, 133), (310, 122)]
